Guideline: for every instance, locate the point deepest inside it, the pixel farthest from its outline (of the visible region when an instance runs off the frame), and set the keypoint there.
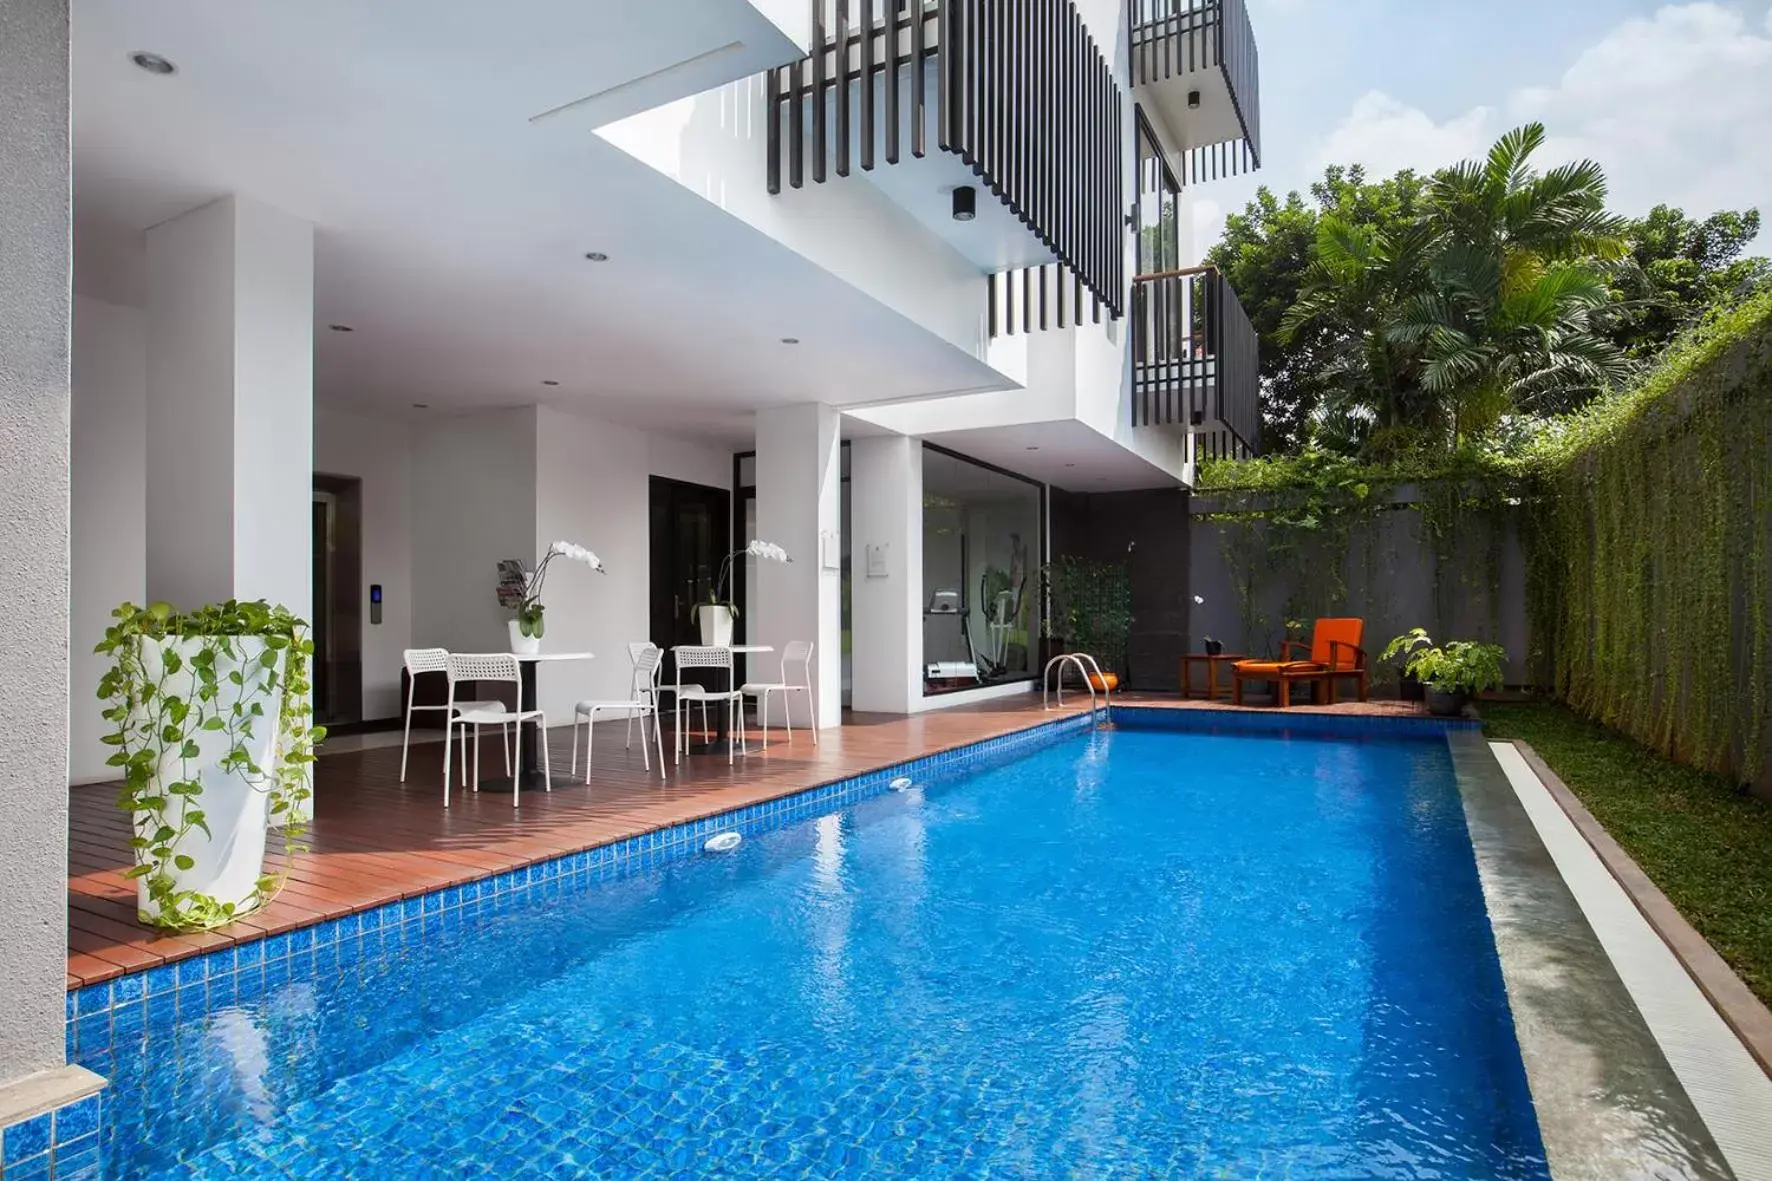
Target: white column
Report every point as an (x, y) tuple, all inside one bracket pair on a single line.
[(886, 576), (35, 269), (798, 508), (230, 392)]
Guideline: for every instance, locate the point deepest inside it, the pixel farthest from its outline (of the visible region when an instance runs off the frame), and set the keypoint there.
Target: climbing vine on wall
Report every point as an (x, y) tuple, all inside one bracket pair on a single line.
[(1648, 552), (1300, 521)]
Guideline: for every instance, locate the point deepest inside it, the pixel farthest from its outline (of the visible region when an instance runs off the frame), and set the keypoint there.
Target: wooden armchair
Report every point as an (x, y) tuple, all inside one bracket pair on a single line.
[(1334, 653)]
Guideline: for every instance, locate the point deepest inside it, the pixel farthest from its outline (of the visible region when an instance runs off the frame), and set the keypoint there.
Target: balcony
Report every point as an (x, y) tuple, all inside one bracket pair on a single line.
[(1013, 101), (1196, 70), (1196, 362)]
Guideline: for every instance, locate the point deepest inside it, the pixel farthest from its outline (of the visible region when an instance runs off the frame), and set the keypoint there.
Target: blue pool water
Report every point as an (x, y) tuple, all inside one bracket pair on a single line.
[(1130, 953)]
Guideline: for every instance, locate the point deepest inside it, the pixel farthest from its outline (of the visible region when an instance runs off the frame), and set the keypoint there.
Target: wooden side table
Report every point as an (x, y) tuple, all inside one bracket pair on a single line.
[(1212, 663)]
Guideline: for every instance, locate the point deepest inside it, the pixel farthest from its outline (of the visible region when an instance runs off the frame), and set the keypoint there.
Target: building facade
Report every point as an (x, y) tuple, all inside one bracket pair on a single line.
[(341, 305)]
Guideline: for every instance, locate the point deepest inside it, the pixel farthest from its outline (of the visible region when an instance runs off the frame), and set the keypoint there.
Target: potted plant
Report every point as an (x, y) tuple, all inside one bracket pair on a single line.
[(520, 591), (1212, 647), (212, 736), (1409, 687), (1454, 673), (716, 615)]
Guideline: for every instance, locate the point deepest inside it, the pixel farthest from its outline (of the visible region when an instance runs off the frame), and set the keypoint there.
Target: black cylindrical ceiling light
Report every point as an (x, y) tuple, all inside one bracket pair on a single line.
[(965, 203)]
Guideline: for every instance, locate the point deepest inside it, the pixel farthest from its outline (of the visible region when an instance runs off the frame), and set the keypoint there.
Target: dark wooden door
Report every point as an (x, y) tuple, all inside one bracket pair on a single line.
[(691, 534)]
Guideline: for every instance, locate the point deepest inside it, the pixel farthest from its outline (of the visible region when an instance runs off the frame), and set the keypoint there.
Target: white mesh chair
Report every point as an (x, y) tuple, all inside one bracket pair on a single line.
[(436, 660), (643, 705), (797, 656), (498, 667), (696, 656)]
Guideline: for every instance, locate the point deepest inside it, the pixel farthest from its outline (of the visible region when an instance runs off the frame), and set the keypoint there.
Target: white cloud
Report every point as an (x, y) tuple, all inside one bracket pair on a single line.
[(1676, 107)]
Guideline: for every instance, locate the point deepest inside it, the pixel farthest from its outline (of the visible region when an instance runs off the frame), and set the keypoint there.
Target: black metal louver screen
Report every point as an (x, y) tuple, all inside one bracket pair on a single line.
[(1196, 361), (1022, 95), (1174, 37)]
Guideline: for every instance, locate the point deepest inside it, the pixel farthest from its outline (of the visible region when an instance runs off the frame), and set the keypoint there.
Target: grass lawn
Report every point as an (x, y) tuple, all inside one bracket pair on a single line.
[(1706, 845)]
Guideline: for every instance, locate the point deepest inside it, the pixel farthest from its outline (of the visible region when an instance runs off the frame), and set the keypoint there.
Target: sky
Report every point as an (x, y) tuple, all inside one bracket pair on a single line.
[(1672, 97)]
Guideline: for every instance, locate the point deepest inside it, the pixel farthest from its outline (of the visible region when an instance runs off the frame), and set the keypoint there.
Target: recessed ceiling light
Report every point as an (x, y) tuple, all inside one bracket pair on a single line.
[(1070, 465), (549, 381), (1033, 448), (153, 63), (596, 256), (790, 340), (341, 328), (421, 405)]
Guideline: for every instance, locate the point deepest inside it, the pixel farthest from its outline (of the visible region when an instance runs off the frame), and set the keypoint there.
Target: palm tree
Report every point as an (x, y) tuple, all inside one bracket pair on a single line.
[(1348, 298), (1507, 318)]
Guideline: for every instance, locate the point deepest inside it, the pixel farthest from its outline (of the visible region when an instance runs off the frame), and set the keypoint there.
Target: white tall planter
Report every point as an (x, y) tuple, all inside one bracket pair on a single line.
[(716, 624), (230, 859)]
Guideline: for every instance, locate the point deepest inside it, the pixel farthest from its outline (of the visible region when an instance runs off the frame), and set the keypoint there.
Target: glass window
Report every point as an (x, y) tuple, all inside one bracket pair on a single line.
[(1159, 197), (982, 548)]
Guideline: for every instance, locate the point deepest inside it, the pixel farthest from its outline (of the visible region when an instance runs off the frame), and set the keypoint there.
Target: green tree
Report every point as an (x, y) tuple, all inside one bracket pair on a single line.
[(1678, 270), (1267, 253)]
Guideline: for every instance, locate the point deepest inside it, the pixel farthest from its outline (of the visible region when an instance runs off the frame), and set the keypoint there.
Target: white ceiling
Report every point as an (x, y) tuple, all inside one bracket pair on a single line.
[(451, 229), (1066, 453)]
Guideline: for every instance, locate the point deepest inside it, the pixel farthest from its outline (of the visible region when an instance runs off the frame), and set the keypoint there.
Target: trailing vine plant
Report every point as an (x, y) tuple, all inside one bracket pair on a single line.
[(159, 736), (1089, 607)]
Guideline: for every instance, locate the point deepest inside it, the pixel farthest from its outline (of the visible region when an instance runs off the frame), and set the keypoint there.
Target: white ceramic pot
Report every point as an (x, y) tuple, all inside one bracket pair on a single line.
[(522, 645), (716, 624), (230, 858)]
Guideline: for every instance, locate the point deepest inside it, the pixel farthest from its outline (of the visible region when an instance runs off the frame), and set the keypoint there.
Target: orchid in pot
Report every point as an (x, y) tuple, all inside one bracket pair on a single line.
[(520, 591), (716, 615), (211, 733)]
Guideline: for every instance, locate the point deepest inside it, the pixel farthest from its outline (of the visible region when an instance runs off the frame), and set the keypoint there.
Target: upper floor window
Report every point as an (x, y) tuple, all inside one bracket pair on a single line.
[(1159, 207)]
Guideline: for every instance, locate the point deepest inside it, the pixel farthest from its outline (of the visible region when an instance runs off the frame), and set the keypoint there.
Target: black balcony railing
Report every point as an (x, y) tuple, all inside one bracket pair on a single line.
[(1196, 361), (1021, 94), (1177, 37)]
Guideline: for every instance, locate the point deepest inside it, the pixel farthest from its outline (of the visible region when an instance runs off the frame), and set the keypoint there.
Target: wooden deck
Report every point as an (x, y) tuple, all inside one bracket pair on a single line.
[(375, 840)]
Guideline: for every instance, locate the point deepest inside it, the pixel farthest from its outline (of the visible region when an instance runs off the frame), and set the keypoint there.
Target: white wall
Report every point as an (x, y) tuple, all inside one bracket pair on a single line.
[(798, 502), (109, 544), (34, 490), (886, 614), (473, 503), (712, 144), (378, 452), (690, 460), (591, 488)]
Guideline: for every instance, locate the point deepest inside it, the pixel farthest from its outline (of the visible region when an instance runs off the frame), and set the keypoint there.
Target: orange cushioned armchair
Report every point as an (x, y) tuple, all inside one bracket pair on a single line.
[(1335, 653)]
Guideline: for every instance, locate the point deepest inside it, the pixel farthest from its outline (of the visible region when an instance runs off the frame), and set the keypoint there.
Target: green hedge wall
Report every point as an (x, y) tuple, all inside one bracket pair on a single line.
[(1647, 550)]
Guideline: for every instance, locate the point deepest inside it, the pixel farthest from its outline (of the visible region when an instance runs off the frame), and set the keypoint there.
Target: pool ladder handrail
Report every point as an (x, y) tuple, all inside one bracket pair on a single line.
[(1077, 659)]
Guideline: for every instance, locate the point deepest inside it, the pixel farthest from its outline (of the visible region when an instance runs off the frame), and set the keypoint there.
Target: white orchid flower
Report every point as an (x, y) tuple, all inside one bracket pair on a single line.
[(1198, 601), (767, 549)]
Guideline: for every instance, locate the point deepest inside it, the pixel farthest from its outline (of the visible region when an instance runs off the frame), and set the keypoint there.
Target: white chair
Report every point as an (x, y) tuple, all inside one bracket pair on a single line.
[(436, 660), (798, 652), (643, 704), (498, 667), (696, 656), (635, 648)]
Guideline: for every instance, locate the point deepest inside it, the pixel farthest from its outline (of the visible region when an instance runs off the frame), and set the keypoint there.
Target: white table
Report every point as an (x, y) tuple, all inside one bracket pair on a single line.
[(723, 736), (526, 662)]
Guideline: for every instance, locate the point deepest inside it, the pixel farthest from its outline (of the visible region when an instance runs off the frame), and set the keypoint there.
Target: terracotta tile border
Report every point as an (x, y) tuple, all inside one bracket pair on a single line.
[(1739, 1008)]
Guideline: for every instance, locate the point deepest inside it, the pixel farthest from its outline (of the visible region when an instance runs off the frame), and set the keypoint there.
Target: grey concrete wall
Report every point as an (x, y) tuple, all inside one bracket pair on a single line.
[(35, 310), (1388, 567)]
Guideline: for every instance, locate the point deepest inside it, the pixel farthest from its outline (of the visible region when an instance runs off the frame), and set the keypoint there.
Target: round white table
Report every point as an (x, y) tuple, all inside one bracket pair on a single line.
[(531, 761)]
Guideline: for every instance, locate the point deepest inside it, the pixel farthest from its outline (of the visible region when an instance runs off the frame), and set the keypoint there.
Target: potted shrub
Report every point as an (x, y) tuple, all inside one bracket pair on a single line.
[(1456, 672), (212, 736), (716, 615), (1409, 687), (1089, 609)]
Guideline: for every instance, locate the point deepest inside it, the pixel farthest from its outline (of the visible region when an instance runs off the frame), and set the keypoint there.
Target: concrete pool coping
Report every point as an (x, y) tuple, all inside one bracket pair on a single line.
[(1610, 1104)]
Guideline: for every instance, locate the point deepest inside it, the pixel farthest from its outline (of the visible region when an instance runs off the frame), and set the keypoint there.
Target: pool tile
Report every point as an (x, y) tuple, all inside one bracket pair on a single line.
[(23, 1141)]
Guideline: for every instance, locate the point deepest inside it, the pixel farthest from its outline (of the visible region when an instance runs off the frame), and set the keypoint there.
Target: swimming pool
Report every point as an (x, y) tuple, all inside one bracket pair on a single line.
[(1131, 951)]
